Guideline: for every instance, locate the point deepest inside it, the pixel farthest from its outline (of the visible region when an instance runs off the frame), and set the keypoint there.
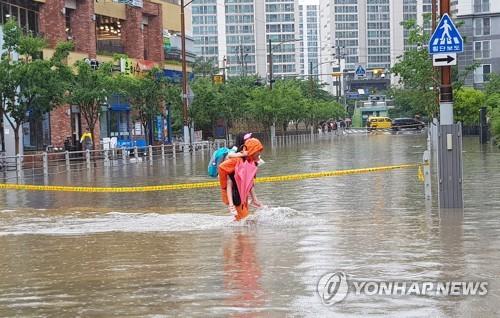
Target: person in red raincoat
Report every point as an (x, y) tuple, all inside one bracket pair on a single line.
[(253, 148)]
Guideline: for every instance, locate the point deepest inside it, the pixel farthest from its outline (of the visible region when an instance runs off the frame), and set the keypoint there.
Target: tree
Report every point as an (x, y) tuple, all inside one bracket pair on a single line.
[(416, 74), (233, 99), (492, 91), (89, 90), (205, 67), (280, 105), (467, 103), (206, 107), (146, 96), (317, 111), (8, 90), (30, 86)]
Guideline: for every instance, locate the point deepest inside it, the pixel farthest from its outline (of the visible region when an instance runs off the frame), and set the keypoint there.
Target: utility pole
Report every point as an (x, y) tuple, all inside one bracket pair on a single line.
[(186, 135), (241, 58), (224, 68), (446, 92), (434, 19), (339, 57), (311, 71), (449, 140), (270, 61), (434, 14)]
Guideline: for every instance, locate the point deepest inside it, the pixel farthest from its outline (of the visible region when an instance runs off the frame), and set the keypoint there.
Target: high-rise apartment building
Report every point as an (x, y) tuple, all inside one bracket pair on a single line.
[(367, 32), (309, 33), (480, 27), (235, 34)]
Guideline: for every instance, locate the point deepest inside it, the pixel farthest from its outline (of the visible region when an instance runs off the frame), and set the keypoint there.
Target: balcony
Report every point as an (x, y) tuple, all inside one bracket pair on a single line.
[(173, 49)]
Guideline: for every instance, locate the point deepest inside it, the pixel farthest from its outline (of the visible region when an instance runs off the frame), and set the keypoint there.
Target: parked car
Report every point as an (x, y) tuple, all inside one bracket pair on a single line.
[(407, 123), (379, 123)]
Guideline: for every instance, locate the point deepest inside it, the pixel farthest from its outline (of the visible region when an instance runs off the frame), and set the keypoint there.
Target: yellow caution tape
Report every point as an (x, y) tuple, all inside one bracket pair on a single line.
[(199, 185)]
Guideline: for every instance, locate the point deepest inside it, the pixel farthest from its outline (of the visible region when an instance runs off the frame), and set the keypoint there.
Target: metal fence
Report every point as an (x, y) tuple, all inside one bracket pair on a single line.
[(45, 163)]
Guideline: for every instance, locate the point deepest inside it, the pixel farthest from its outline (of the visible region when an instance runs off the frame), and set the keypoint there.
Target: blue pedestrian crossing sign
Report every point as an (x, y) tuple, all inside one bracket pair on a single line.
[(360, 71), (446, 38)]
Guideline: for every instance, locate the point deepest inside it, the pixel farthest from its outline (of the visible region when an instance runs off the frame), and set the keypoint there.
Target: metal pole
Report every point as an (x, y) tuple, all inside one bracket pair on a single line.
[(184, 74), (150, 152), (169, 123), (310, 71), (483, 126), (338, 77), (270, 60), (162, 152), (224, 68), (136, 154), (241, 58)]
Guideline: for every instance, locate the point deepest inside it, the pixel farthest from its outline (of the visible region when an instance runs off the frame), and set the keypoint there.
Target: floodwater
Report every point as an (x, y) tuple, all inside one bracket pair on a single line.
[(178, 254)]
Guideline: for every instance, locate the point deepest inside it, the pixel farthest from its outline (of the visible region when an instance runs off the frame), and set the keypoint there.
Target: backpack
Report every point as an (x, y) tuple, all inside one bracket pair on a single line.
[(217, 158)]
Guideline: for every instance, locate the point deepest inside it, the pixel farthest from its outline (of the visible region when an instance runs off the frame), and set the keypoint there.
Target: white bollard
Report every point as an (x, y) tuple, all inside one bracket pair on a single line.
[(19, 163), (150, 152), (136, 154), (124, 155), (427, 175), (173, 150), (106, 158), (87, 158), (66, 156), (162, 151), (45, 164)]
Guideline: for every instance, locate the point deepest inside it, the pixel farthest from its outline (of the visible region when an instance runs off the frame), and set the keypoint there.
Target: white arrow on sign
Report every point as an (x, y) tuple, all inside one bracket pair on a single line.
[(444, 59)]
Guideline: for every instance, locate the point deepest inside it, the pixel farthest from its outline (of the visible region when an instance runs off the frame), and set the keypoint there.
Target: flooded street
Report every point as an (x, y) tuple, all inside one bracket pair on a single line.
[(177, 253)]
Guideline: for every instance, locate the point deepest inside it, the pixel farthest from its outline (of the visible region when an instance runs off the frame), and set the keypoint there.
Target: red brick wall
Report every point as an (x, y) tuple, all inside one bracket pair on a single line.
[(133, 39), (155, 37), (151, 8), (154, 31), (83, 27), (60, 126), (52, 22)]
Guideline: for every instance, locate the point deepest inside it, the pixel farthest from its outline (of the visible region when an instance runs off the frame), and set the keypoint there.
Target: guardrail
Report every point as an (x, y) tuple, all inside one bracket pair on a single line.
[(46, 163)]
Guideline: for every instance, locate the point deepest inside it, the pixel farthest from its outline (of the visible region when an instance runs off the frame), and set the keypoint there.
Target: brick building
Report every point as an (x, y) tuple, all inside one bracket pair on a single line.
[(98, 29)]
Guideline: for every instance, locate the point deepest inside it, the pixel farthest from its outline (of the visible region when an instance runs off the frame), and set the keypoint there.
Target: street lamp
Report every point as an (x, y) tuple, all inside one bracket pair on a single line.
[(270, 57), (187, 138)]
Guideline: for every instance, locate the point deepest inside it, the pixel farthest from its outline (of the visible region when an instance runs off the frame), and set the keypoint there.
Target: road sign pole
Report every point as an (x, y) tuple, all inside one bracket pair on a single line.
[(446, 91), (450, 176)]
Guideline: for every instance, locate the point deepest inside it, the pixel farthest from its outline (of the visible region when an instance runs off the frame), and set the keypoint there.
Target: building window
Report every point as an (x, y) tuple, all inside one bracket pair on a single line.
[(109, 36), (481, 6), (482, 74), (482, 26), (24, 12), (482, 49)]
